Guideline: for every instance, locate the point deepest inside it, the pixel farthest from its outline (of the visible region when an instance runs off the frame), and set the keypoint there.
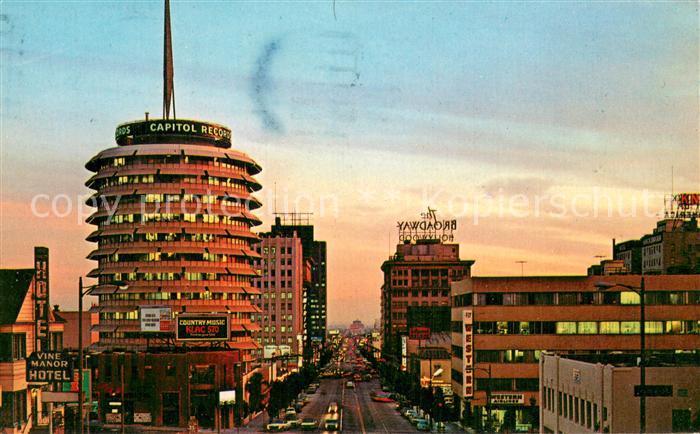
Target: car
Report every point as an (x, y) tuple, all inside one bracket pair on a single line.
[(309, 424), (333, 407), (332, 424), (293, 421), (422, 425), (349, 385), (414, 419), (277, 425)]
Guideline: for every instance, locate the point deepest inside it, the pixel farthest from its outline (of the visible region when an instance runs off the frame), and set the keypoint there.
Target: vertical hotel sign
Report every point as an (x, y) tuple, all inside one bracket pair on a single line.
[(468, 353), (41, 297)]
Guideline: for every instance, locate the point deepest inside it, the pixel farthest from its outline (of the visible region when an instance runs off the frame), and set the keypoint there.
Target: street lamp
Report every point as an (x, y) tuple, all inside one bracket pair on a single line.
[(488, 391), (639, 290), (83, 291)]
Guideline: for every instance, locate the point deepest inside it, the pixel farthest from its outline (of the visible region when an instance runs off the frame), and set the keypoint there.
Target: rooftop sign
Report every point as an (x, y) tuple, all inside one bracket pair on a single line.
[(172, 130), (682, 206), (429, 227)]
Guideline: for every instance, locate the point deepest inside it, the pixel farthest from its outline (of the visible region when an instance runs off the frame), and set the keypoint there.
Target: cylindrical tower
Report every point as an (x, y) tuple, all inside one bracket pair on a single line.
[(173, 229)]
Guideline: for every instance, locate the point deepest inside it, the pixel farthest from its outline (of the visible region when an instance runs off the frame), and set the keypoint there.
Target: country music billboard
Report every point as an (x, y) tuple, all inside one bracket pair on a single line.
[(213, 327)]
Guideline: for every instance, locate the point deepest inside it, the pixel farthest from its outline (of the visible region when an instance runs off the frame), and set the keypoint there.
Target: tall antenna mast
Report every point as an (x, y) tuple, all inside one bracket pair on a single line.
[(168, 83)]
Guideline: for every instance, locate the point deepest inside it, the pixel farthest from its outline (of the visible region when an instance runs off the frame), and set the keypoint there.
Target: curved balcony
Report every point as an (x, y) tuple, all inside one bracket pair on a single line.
[(184, 169), (173, 227), (179, 187), (221, 209), (253, 168), (216, 247)]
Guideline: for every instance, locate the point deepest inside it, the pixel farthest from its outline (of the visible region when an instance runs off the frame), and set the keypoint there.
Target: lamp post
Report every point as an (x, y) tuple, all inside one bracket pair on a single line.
[(83, 291), (488, 391), (639, 290)]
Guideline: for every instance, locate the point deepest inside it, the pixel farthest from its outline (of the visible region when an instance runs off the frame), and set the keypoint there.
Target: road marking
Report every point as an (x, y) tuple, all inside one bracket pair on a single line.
[(359, 411)]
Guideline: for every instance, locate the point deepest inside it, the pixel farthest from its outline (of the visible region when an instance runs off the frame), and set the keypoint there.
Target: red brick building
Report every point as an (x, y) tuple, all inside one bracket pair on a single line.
[(418, 274)]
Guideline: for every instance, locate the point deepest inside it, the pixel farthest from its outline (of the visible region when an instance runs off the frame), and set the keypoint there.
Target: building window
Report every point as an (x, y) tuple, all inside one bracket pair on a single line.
[(609, 327), (13, 346), (629, 327), (566, 328), (587, 328), (629, 297)]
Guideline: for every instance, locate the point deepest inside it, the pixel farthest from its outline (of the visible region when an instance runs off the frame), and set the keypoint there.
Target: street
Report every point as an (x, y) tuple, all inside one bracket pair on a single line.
[(360, 413)]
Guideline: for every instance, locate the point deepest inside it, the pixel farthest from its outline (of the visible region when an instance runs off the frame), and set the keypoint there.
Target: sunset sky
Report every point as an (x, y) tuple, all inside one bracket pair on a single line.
[(365, 113)]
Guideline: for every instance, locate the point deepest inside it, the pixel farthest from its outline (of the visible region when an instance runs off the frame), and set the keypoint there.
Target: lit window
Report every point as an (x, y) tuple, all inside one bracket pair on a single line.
[(566, 328), (629, 297), (587, 328), (609, 327), (629, 327)]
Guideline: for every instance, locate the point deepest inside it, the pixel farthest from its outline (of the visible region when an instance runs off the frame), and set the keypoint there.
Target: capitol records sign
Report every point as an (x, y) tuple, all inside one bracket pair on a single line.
[(429, 227)]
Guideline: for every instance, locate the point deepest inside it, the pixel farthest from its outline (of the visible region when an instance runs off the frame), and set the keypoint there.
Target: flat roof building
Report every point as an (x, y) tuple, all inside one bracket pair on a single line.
[(501, 326), (281, 316), (418, 274), (673, 247), (583, 394)]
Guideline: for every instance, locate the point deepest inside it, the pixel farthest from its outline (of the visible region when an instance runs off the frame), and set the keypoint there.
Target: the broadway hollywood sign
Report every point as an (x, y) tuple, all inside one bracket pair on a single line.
[(203, 327), (429, 227)]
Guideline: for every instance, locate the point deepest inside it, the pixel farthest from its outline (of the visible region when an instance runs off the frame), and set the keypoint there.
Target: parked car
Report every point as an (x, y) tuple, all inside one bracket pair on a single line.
[(349, 385), (293, 421), (277, 425), (422, 425)]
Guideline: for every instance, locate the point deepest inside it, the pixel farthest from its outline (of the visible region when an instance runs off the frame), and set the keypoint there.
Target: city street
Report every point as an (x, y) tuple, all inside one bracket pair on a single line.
[(360, 413)]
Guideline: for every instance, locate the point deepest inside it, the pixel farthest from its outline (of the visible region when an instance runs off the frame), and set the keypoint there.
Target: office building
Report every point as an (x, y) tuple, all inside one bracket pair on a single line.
[(315, 316), (418, 274), (584, 394), (501, 325), (673, 247), (281, 282), (174, 266)]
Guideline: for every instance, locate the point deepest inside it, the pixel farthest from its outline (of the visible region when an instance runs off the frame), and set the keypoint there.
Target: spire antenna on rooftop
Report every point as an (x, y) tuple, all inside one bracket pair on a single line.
[(168, 83)]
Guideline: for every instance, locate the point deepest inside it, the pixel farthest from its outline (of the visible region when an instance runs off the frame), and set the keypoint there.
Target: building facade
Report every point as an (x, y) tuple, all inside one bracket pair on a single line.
[(418, 274), (501, 325), (27, 325), (673, 247), (579, 396), (281, 282), (315, 315), (173, 226), (70, 334)]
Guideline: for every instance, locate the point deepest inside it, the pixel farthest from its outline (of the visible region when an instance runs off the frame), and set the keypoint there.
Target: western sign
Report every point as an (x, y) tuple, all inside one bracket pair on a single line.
[(49, 367), (203, 327)]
